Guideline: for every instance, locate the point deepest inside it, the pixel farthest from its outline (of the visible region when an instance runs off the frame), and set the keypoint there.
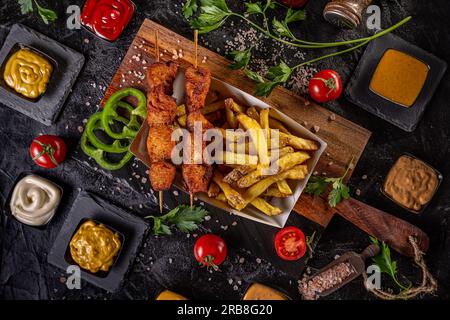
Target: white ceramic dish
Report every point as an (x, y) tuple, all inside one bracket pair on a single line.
[(139, 149)]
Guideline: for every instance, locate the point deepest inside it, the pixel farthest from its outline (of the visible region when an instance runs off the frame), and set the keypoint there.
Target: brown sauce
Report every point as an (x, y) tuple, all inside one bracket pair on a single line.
[(411, 183)]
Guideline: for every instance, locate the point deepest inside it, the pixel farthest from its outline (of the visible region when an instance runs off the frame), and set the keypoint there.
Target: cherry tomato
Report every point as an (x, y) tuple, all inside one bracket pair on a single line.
[(325, 86), (290, 243), (210, 250), (48, 151), (294, 3)]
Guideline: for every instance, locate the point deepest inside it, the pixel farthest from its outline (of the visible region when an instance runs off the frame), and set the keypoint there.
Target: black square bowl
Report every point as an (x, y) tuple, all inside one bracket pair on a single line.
[(67, 65), (358, 90), (132, 231)]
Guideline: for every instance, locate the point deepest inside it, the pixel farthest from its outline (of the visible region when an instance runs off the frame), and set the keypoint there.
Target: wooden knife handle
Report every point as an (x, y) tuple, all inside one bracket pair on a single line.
[(383, 226)]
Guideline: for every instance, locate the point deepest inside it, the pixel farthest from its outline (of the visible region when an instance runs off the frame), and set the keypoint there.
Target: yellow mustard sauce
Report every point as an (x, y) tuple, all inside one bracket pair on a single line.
[(94, 246), (411, 183), (28, 73), (399, 78)]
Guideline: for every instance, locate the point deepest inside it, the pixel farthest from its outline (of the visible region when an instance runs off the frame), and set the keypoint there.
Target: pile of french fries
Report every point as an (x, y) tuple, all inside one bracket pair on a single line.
[(244, 178)]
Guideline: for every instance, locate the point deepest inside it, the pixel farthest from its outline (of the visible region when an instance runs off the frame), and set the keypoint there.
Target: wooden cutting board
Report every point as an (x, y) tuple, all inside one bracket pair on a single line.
[(345, 139)]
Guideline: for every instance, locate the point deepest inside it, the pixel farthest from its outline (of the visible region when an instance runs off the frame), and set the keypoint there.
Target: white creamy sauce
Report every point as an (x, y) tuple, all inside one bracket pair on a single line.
[(34, 200)]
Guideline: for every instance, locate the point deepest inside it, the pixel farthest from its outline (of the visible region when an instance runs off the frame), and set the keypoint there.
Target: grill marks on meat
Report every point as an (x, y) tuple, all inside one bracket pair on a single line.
[(196, 87), (161, 112), (197, 83)]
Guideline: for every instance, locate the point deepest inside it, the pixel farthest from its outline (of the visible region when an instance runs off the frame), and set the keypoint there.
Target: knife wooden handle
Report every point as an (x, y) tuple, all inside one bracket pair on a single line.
[(383, 226)]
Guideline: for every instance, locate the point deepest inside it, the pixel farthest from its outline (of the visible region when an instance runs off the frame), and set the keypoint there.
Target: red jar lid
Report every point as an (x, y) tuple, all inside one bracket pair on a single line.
[(107, 18)]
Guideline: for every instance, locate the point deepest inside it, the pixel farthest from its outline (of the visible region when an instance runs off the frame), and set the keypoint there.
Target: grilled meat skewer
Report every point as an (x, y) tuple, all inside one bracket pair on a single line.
[(198, 80), (161, 113)]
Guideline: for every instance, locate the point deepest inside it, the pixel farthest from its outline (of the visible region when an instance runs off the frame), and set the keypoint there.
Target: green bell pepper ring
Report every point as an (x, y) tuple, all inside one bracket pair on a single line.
[(99, 155), (95, 123), (110, 112)]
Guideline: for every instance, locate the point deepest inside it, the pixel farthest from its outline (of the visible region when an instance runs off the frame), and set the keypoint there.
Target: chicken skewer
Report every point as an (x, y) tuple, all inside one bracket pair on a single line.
[(161, 112), (197, 82)]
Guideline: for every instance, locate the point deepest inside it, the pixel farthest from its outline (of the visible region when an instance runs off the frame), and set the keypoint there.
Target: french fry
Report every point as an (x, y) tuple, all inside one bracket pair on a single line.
[(296, 142), (253, 113), (284, 187), (265, 207), (237, 158), (257, 136), (221, 197), (213, 107), (231, 118), (213, 190), (240, 171), (230, 103), (181, 110), (284, 163), (234, 198), (275, 192), (280, 152), (182, 120), (275, 124), (264, 122), (296, 173)]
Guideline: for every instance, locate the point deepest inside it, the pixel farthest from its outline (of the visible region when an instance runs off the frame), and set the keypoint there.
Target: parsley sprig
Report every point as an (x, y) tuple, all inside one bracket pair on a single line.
[(213, 13), (184, 217), (339, 191), (385, 263), (47, 15)]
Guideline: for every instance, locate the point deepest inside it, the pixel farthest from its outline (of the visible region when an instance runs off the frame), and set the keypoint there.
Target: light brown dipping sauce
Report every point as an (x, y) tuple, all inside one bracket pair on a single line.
[(411, 183), (399, 78)]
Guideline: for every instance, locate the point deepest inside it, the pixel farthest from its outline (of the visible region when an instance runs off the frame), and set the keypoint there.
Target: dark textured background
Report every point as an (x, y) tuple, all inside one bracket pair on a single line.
[(168, 262)]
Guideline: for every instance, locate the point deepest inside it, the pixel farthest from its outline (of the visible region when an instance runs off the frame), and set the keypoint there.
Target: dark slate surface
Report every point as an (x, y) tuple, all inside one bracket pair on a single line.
[(168, 262)]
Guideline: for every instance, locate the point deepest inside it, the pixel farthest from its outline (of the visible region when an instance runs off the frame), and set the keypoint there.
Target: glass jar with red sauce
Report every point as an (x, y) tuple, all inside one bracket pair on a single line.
[(107, 18)]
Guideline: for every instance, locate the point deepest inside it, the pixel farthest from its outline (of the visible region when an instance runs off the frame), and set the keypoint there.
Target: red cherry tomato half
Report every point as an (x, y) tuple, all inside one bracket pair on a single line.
[(325, 86), (48, 151), (210, 250), (290, 243)]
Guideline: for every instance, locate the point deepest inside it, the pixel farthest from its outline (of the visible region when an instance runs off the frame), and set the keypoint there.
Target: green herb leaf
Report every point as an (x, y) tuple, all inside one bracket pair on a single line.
[(213, 14), (254, 76), (185, 218), (269, 5), (253, 8), (189, 8), (316, 186), (26, 6), (279, 73), (294, 15), (265, 88), (46, 14), (240, 58), (281, 28)]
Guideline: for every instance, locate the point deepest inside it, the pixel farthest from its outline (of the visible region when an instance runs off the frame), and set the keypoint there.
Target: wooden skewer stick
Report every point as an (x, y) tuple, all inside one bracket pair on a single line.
[(157, 45), (196, 48), (191, 195), (161, 194), (161, 199)]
